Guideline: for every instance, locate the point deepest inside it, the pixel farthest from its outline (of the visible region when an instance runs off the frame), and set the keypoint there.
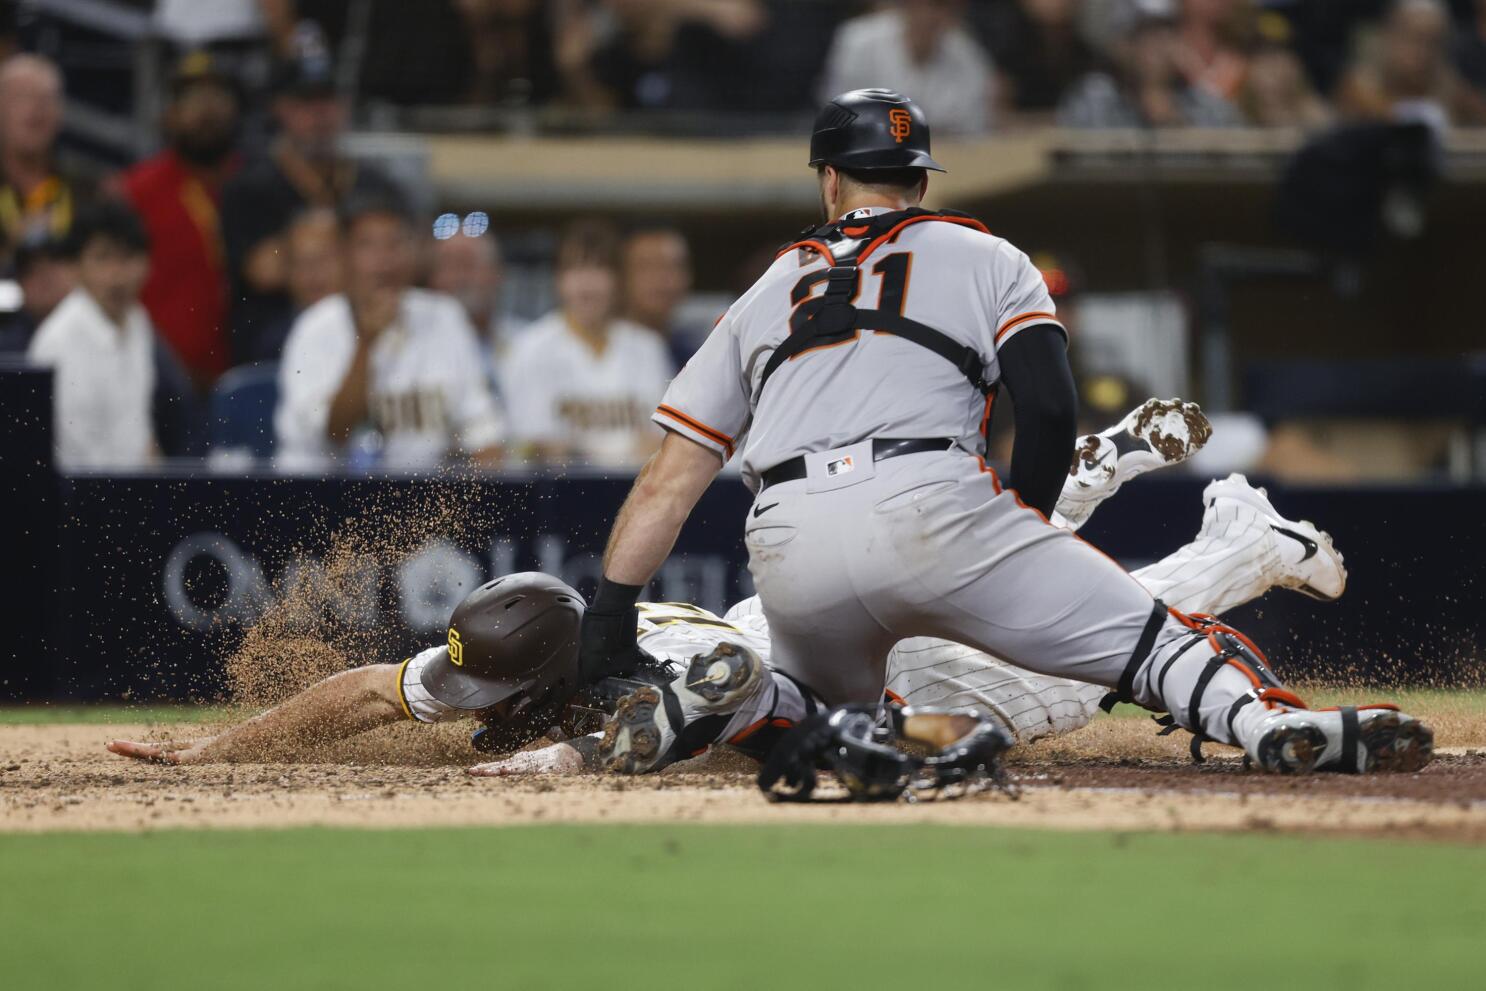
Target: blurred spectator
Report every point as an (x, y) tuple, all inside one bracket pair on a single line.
[(1468, 48), (919, 48), (176, 194), (511, 47), (314, 260), (581, 383), (1401, 72), (194, 24), (470, 270), (101, 344), (659, 54), (46, 272), (383, 374), (1145, 89), (656, 277), (1038, 49), (1276, 92), (36, 200), (1213, 37), (304, 167), (282, 20)]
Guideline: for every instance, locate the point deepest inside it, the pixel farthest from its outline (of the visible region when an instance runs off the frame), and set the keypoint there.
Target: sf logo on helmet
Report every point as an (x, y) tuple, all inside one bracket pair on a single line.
[(456, 648), (900, 124)]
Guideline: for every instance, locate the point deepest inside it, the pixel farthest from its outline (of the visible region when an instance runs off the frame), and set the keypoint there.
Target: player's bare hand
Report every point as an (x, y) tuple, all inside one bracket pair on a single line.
[(560, 758), (168, 752)]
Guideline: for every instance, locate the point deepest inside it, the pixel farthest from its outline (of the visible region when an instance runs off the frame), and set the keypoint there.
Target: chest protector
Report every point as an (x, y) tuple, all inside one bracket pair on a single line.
[(832, 318)]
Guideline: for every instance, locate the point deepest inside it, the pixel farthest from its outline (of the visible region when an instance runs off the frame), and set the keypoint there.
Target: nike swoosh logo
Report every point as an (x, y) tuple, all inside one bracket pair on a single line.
[(1306, 542), (761, 510)]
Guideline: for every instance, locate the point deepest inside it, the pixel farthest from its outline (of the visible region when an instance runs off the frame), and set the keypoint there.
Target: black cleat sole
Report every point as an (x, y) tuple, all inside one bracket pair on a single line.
[(1291, 749), (631, 741), (1397, 743)]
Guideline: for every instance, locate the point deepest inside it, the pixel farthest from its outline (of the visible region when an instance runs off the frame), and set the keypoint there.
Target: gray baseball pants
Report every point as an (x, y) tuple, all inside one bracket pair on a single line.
[(857, 556)]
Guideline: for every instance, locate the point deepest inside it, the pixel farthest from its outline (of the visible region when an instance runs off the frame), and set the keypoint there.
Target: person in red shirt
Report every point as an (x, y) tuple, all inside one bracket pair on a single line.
[(177, 193)]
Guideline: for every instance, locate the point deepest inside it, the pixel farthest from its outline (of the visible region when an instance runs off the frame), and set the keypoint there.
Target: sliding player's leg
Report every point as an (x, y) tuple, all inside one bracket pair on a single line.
[(1244, 549), (1156, 434)]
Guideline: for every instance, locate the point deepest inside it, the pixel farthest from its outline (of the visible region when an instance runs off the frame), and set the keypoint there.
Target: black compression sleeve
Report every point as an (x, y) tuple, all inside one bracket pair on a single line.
[(1034, 368)]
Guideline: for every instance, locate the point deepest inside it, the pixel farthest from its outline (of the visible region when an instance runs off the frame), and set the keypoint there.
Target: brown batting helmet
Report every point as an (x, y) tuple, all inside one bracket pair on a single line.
[(512, 639)]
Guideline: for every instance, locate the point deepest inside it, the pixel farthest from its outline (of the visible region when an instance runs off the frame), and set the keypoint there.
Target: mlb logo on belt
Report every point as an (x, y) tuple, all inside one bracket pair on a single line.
[(840, 466)]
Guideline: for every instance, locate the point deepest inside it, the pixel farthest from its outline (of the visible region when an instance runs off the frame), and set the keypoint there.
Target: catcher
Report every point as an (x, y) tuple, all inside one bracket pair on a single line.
[(509, 660)]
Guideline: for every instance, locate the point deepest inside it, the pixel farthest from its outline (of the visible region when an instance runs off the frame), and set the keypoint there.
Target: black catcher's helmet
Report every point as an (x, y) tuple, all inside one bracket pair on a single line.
[(872, 129), (512, 639)]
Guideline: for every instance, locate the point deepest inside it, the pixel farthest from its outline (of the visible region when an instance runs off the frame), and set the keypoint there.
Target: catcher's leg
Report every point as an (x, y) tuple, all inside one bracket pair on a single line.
[(1007, 583)]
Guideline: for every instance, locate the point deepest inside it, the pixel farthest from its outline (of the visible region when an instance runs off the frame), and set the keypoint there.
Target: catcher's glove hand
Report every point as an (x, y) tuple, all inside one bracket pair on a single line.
[(859, 744)]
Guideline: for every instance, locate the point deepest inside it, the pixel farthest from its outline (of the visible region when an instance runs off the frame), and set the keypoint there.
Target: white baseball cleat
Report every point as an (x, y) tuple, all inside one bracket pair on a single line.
[(648, 728), (1349, 739), (1305, 558), (1157, 433)]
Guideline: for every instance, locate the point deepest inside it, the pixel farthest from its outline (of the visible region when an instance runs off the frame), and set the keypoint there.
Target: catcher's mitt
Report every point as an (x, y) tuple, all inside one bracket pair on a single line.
[(882, 753)]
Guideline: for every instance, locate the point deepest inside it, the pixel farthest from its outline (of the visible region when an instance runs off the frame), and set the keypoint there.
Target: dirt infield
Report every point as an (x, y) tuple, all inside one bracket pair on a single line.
[(59, 778)]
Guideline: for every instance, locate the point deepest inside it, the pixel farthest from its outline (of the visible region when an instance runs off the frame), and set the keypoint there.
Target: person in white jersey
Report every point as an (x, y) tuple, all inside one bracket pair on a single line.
[(1235, 558), (384, 366), (579, 383), (855, 379)]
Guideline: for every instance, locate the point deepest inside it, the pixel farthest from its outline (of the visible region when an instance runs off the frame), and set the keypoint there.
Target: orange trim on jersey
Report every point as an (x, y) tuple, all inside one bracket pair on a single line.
[(894, 697), (986, 469), (1017, 321), (1073, 533), (985, 419), (716, 436), (897, 229), (817, 246)]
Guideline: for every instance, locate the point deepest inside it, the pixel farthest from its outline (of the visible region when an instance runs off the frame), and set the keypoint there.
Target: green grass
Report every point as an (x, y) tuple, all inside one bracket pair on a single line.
[(735, 907), (45, 714)]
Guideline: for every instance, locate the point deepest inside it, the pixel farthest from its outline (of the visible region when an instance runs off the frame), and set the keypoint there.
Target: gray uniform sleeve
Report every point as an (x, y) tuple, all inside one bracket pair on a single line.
[(1022, 297), (708, 401)]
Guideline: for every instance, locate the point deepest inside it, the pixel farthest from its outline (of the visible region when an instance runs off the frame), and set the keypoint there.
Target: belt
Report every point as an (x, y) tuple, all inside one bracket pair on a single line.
[(882, 449)]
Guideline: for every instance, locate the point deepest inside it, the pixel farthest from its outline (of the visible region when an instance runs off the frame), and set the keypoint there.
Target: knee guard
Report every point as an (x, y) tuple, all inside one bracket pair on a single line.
[(1230, 648)]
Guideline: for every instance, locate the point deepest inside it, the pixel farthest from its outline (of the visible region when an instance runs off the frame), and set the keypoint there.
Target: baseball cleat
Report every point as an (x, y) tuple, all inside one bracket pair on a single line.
[(1157, 433), (1348, 739), (648, 728), (1305, 558)]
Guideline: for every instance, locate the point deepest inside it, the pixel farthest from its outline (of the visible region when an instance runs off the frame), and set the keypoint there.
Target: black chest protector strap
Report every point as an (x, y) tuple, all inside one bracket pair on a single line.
[(832, 318)]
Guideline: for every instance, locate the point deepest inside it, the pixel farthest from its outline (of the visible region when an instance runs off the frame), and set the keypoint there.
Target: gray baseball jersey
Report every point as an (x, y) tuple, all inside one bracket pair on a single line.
[(970, 285), (858, 555)]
